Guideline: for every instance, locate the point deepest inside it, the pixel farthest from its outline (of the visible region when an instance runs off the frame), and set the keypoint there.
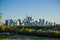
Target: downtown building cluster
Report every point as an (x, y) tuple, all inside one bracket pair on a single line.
[(28, 21)]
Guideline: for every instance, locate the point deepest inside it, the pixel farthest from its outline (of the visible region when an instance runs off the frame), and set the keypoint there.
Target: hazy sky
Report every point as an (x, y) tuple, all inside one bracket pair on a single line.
[(44, 9)]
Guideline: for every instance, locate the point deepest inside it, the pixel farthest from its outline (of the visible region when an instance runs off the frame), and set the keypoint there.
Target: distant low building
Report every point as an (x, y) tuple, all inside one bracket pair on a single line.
[(1, 19)]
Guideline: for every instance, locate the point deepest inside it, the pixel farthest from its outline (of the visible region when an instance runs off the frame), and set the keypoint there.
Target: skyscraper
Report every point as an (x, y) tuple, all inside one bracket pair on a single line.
[(49, 24), (40, 22), (18, 22), (6, 22), (36, 23), (43, 20), (54, 24), (15, 22), (46, 23), (27, 21), (28, 18), (11, 22)]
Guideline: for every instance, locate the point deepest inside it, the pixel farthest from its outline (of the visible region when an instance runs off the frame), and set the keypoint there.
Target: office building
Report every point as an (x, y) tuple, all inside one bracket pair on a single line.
[(15, 22), (6, 22), (54, 24), (11, 22), (36, 23), (46, 23), (43, 21), (40, 22), (51, 23), (27, 21), (18, 22)]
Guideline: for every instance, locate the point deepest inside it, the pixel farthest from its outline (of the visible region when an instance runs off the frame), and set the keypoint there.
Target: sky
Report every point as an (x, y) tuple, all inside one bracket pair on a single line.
[(43, 9)]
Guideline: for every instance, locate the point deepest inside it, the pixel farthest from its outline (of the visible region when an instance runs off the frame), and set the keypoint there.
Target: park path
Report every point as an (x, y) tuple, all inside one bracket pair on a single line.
[(27, 38)]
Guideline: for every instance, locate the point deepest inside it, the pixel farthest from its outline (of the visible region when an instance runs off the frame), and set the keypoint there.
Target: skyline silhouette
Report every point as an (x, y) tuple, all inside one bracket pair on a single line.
[(44, 9)]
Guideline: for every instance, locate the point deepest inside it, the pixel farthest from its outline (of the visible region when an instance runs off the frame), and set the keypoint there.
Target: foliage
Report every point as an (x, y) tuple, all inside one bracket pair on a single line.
[(3, 28), (40, 31)]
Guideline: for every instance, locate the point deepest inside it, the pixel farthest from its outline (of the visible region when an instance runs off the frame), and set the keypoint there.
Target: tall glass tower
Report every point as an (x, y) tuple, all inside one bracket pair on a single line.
[(0, 19)]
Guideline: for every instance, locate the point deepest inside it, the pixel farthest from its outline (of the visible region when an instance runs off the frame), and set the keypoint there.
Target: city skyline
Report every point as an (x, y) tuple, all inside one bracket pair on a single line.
[(44, 9), (28, 21)]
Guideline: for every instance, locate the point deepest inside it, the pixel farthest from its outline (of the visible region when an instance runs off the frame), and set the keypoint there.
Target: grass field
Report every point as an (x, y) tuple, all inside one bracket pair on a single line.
[(19, 37)]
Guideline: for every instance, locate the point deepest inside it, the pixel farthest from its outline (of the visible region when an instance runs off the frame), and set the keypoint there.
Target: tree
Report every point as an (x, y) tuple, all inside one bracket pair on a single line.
[(3, 28)]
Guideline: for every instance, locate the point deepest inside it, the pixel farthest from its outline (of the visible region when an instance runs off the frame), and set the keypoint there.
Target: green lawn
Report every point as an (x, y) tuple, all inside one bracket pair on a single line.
[(29, 39), (45, 39), (10, 37)]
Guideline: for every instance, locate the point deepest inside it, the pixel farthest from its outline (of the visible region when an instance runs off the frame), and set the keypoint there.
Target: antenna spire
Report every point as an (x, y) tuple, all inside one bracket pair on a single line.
[(26, 14)]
